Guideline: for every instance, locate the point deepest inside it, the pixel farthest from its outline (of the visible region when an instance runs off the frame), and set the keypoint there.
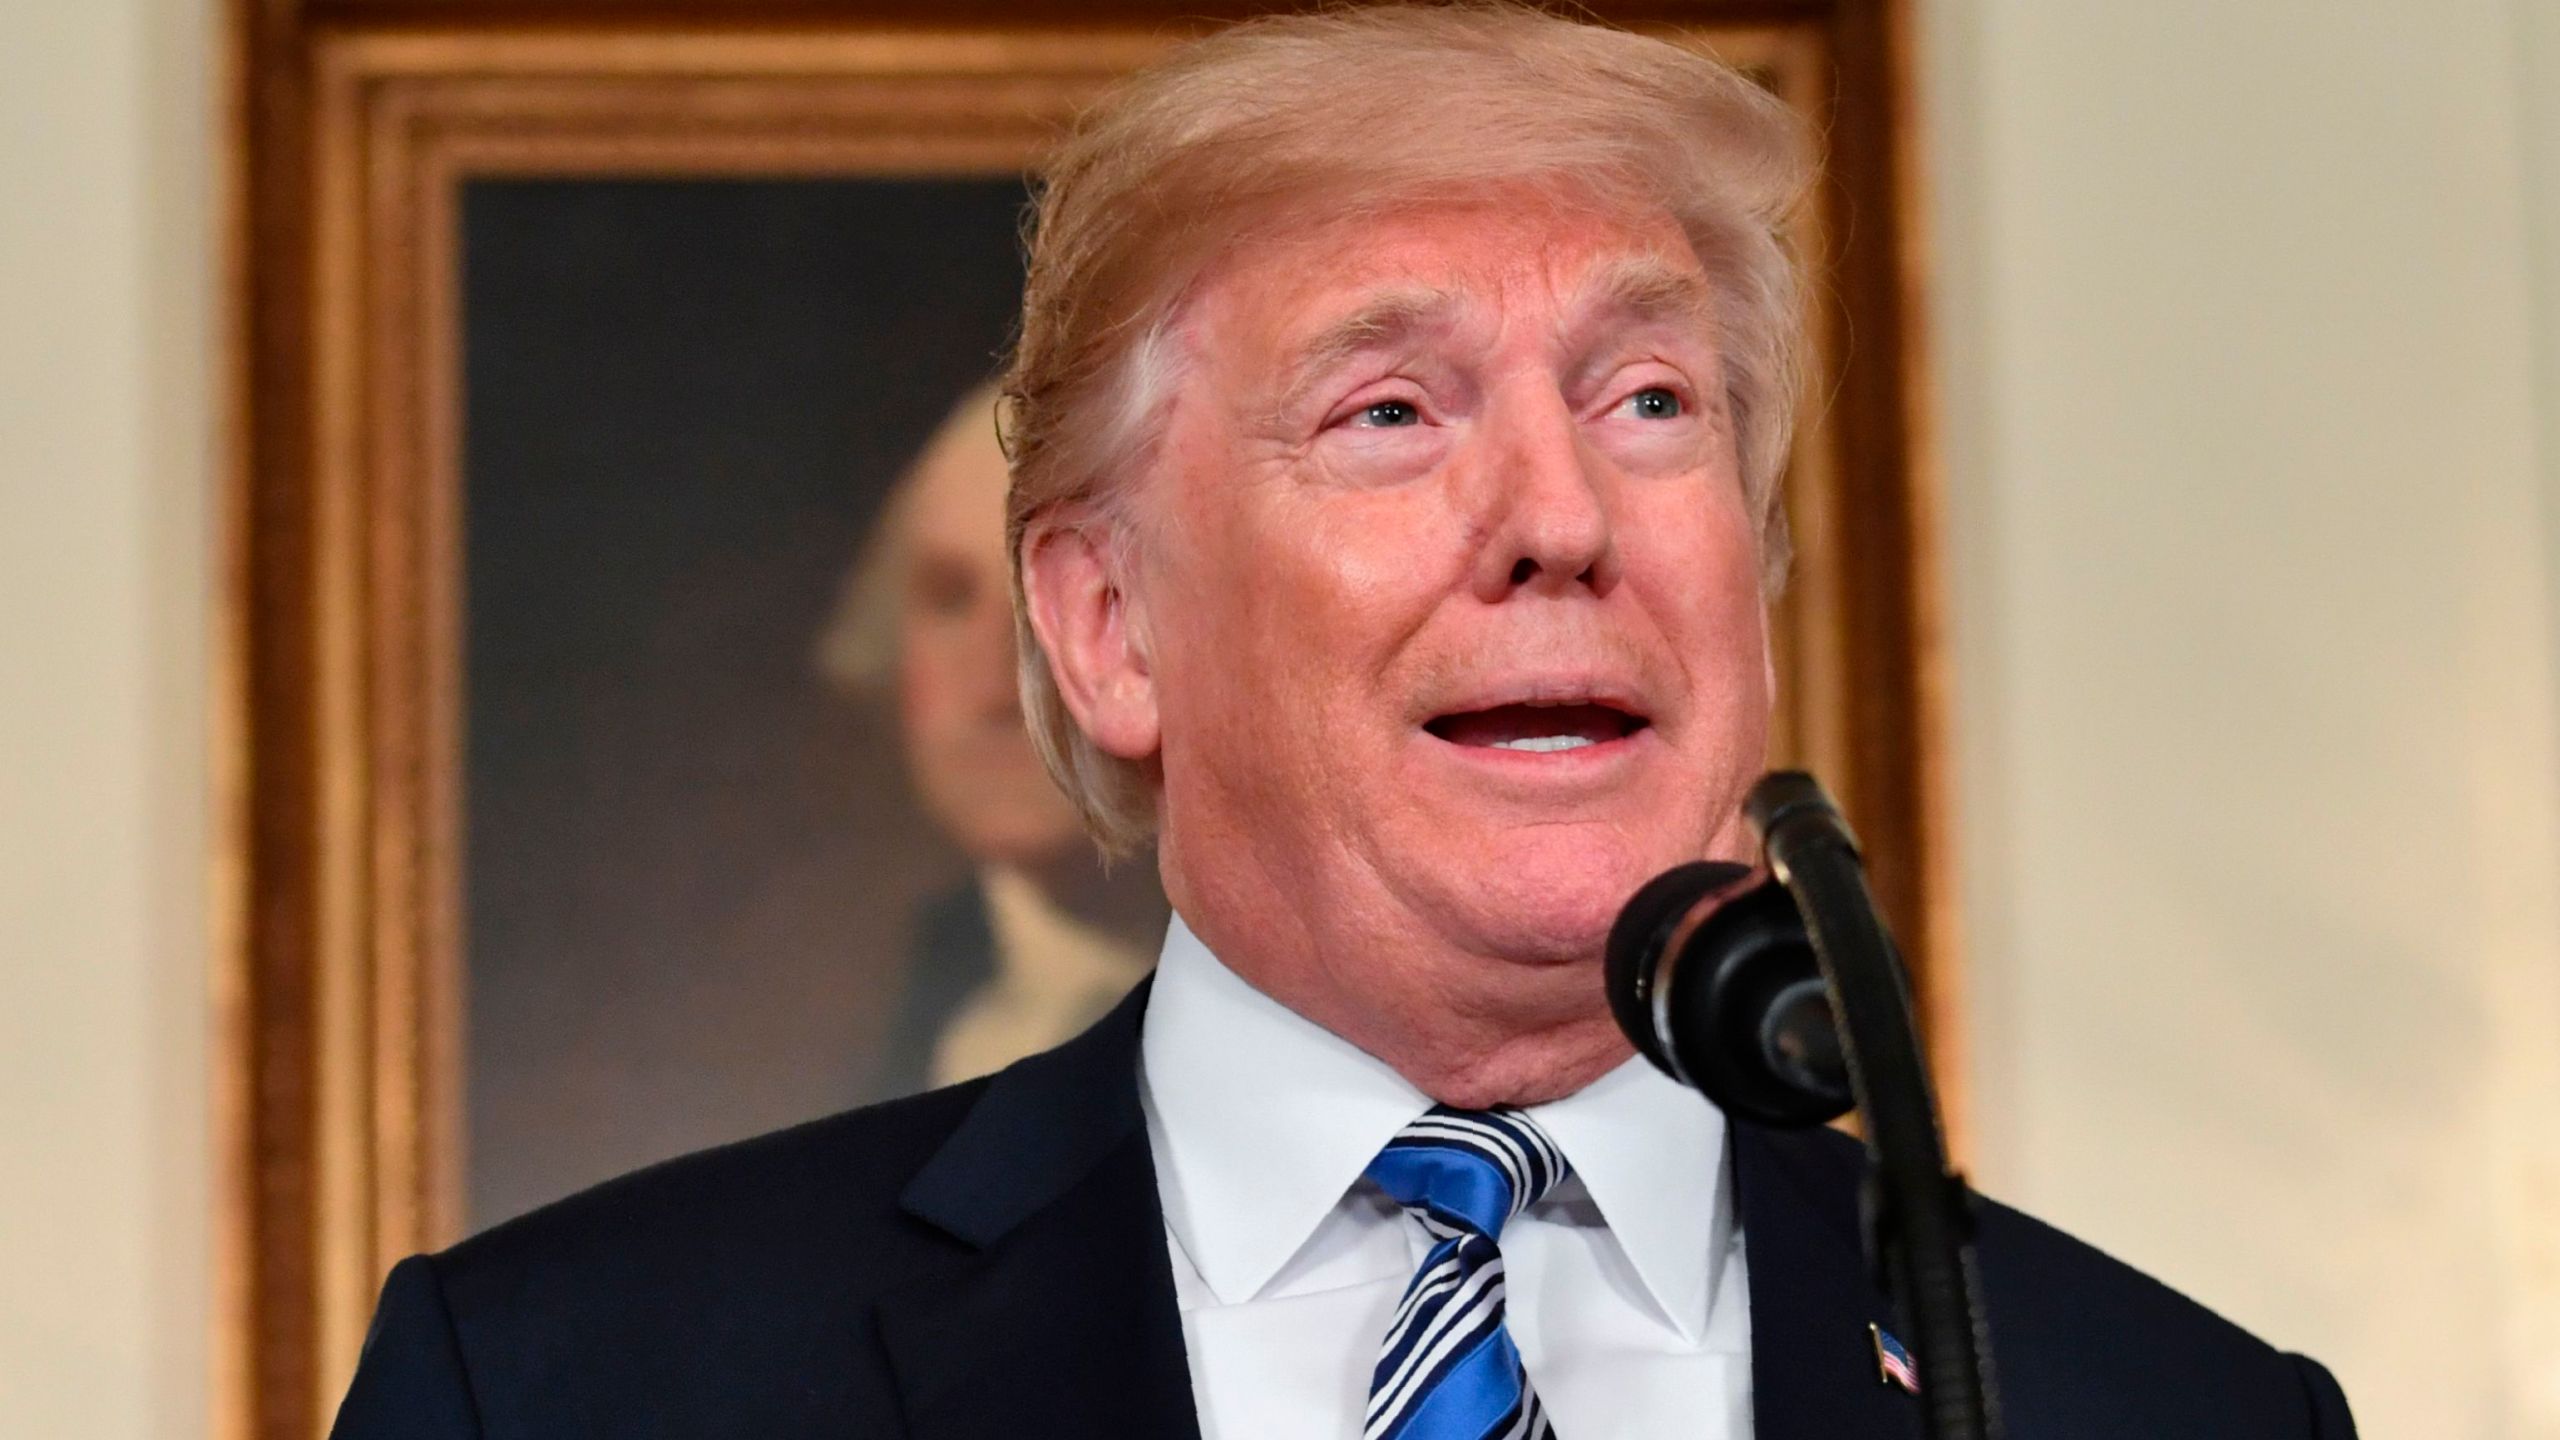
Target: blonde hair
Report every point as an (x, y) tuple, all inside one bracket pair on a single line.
[(1260, 128)]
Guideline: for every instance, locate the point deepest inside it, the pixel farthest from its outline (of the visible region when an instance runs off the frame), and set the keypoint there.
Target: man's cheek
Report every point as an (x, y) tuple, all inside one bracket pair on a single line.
[(921, 694)]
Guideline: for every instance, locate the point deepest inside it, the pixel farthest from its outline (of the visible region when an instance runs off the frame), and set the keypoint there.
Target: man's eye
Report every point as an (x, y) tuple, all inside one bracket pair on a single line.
[(1390, 414), (940, 586), (1655, 403)]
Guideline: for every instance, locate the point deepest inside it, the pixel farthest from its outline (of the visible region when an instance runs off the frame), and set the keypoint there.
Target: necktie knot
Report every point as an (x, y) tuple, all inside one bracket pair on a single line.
[(1469, 1171), (1448, 1369)]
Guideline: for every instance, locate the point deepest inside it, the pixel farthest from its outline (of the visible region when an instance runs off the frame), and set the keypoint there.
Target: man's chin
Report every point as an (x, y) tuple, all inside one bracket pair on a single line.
[(1023, 837), (1545, 897)]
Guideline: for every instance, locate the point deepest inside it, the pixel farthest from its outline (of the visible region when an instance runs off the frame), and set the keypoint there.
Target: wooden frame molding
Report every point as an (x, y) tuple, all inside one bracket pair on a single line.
[(357, 125)]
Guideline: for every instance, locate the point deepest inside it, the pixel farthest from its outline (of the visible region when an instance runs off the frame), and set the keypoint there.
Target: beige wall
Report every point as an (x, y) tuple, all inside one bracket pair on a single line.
[(2254, 637), (104, 466), (2250, 323)]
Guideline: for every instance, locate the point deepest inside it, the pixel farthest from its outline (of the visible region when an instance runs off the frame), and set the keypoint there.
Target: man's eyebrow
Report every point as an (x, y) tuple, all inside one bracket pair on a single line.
[(1649, 288), (1382, 320)]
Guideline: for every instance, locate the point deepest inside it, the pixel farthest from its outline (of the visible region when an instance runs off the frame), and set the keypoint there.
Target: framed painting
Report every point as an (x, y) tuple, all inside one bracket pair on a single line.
[(622, 752)]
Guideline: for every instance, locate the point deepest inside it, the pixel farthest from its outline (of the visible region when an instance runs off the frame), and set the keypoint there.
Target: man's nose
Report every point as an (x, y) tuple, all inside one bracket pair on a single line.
[(1549, 526)]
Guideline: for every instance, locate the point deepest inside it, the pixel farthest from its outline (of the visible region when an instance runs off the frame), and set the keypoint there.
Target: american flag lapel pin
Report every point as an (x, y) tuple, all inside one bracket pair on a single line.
[(1893, 1363)]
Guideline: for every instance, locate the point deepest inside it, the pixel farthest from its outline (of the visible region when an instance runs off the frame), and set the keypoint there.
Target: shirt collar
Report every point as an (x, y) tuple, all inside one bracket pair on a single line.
[(1652, 1154), (1263, 1119)]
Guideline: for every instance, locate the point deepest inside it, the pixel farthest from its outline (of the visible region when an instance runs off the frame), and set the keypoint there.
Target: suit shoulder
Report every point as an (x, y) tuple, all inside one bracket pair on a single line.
[(2017, 1251), (742, 1278), (2082, 1334), (2044, 1275), (2086, 1344), (798, 1197)]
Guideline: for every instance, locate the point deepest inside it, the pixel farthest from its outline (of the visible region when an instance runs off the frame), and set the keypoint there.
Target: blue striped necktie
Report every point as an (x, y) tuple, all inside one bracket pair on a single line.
[(1449, 1370)]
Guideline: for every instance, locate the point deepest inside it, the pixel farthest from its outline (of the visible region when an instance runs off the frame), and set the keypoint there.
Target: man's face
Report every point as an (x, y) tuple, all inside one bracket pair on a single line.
[(1452, 614), (967, 748)]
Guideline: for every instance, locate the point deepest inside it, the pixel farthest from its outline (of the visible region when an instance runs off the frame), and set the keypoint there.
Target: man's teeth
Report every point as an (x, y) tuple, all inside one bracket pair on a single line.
[(1545, 743)]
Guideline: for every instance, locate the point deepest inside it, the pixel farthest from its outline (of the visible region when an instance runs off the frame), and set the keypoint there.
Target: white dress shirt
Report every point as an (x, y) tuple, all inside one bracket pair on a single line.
[(1625, 1284)]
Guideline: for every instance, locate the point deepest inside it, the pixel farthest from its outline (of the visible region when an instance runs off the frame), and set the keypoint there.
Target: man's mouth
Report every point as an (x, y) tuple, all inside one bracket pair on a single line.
[(1538, 728)]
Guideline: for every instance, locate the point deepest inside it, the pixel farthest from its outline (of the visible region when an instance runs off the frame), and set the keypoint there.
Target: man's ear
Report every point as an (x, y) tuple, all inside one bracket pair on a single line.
[(1081, 612)]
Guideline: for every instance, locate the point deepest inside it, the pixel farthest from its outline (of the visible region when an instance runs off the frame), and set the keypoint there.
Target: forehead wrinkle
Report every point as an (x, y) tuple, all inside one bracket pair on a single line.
[(1381, 321), (1648, 289)]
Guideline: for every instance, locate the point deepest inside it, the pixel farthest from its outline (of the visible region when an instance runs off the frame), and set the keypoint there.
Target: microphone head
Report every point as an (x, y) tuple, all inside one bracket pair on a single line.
[(1635, 962), (1711, 973)]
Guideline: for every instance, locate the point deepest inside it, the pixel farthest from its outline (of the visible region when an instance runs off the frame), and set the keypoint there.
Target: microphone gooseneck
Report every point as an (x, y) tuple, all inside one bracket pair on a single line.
[(1729, 981)]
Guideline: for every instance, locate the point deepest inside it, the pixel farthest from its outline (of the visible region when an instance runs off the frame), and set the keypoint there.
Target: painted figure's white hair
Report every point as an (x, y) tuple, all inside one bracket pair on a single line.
[(1276, 124)]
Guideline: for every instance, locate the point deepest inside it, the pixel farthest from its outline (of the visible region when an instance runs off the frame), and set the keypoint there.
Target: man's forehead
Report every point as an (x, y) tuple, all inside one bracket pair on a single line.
[(1359, 278), (956, 493), (1631, 286)]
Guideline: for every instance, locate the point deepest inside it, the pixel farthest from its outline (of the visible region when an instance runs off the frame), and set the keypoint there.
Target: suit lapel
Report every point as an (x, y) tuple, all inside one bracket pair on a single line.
[(1813, 1364), (1063, 1321)]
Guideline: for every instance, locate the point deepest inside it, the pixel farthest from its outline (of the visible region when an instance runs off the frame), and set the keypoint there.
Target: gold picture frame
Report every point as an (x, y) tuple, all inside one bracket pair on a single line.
[(358, 123)]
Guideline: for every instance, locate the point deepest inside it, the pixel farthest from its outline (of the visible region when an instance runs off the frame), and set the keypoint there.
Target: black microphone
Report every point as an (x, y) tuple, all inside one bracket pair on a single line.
[(1730, 980), (1712, 974)]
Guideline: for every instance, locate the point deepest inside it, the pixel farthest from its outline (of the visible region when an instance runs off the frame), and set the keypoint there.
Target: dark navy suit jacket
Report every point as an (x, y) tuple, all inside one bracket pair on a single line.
[(990, 1260)]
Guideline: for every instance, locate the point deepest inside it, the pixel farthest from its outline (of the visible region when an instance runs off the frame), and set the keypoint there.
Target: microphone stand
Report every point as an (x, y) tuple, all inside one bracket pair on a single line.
[(1918, 1212)]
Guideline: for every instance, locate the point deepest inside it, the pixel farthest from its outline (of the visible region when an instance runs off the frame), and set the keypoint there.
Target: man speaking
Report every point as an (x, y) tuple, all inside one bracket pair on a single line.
[(1395, 427)]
